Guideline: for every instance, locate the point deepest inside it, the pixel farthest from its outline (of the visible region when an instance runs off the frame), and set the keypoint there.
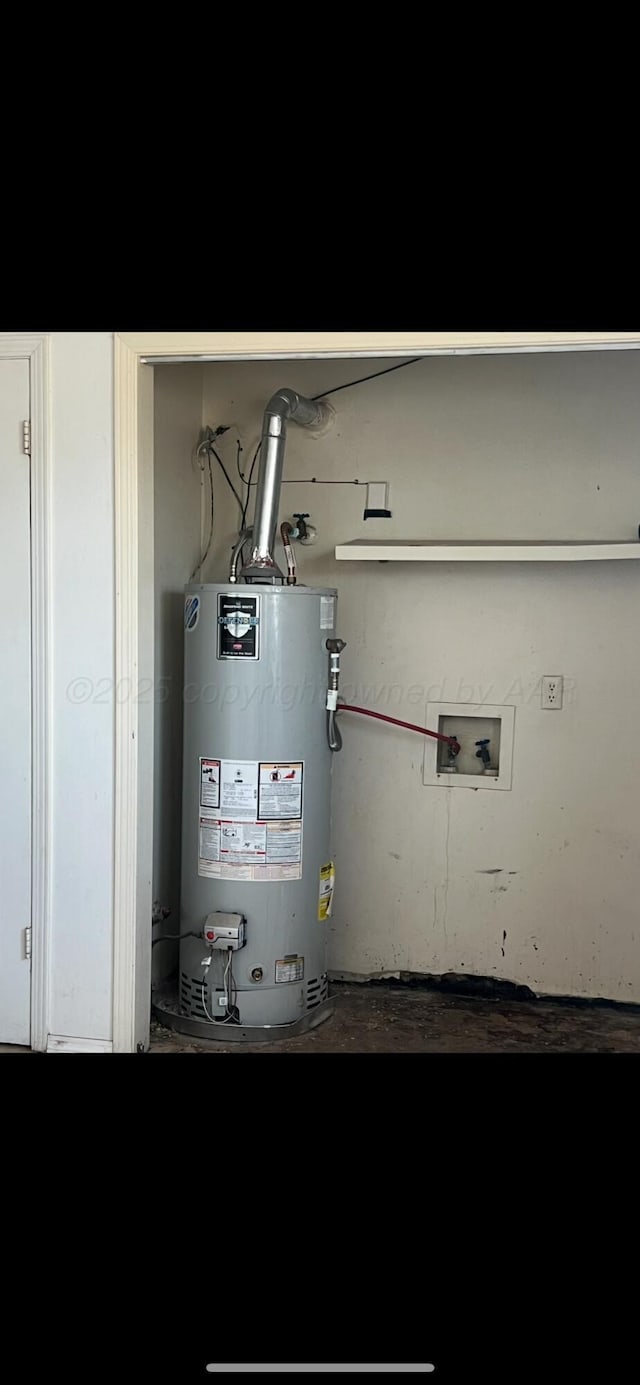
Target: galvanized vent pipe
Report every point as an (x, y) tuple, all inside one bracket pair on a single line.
[(285, 405)]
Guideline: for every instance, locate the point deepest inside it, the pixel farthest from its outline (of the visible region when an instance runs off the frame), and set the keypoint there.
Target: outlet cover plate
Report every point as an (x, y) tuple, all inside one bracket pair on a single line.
[(478, 710), (552, 690)]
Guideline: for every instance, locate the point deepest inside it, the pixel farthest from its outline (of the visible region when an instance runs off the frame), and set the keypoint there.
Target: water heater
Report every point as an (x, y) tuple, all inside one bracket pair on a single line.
[(256, 803), (260, 693)]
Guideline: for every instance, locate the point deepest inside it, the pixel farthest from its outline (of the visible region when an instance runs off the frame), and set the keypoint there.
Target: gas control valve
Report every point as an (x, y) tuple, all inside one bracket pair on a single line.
[(224, 932)]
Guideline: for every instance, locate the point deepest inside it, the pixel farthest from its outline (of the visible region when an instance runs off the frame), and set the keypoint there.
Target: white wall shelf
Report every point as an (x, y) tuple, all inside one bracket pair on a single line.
[(482, 551)]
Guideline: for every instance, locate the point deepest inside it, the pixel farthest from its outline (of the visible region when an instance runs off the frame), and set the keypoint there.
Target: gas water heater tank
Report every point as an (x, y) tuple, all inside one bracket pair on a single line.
[(256, 804)]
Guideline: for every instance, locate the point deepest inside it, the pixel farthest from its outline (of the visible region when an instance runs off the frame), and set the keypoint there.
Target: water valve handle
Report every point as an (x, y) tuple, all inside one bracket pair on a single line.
[(482, 752)]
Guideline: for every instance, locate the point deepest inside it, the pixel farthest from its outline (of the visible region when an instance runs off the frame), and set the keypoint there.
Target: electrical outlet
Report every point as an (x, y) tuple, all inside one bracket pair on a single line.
[(551, 698)]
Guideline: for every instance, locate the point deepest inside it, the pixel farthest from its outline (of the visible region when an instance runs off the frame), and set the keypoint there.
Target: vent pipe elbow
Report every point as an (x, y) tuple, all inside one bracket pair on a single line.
[(284, 406)]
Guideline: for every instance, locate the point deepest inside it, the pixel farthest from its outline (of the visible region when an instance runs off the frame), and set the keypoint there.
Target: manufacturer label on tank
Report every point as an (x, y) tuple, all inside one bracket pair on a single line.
[(325, 896), (250, 820), (289, 969), (238, 627), (191, 612), (327, 612), (284, 845)]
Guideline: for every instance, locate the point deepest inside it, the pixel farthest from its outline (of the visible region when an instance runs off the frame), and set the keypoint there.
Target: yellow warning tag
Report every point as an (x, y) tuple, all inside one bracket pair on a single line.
[(325, 897)]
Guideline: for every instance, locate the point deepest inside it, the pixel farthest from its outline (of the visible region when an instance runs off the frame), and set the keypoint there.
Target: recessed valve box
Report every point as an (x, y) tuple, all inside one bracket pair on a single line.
[(485, 735)]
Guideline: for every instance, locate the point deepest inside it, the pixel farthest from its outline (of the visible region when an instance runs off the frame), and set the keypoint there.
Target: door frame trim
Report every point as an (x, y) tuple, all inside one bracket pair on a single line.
[(134, 352), (34, 347)]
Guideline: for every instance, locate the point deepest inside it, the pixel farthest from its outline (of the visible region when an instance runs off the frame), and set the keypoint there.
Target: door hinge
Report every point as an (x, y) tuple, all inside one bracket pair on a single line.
[(26, 437), (27, 943)]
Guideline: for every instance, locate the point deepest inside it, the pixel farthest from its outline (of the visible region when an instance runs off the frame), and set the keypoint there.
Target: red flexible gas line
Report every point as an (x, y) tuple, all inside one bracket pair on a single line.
[(409, 726)]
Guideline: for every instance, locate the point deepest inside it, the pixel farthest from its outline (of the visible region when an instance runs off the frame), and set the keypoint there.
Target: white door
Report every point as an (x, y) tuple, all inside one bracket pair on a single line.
[(15, 707)]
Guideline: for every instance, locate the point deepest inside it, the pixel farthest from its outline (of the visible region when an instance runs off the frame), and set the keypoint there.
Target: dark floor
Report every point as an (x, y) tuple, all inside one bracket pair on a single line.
[(402, 1019)]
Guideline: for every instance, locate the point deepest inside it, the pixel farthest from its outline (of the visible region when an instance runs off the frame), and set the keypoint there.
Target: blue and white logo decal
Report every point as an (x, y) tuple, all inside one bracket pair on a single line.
[(191, 612)]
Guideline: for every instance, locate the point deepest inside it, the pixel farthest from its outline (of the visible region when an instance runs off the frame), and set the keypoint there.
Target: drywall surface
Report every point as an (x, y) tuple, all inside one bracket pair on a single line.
[(178, 505), (82, 691), (539, 884)]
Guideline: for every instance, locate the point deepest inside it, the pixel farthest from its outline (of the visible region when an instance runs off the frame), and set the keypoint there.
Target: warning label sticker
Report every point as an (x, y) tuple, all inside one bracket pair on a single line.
[(242, 843), (280, 791), (290, 969), (209, 783), (325, 896), (209, 851), (327, 612), (250, 820), (258, 851)]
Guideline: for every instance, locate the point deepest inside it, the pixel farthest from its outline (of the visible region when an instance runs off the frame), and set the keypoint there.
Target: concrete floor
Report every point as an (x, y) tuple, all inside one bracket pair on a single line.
[(393, 1018)]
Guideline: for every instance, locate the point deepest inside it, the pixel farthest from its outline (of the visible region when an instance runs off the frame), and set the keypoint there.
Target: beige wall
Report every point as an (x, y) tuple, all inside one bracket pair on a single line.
[(506, 447)]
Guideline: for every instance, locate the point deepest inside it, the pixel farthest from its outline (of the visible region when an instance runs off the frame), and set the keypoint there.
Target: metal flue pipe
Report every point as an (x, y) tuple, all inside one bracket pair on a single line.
[(284, 406)]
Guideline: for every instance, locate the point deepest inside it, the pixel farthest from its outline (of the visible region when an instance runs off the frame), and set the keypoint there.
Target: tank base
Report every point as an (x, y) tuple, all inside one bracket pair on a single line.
[(163, 1008)]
